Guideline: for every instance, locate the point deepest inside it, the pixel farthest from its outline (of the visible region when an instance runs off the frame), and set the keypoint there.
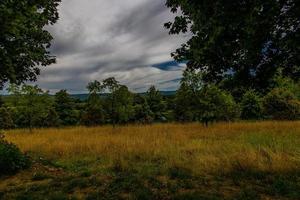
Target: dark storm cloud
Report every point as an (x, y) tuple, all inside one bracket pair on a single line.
[(126, 39)]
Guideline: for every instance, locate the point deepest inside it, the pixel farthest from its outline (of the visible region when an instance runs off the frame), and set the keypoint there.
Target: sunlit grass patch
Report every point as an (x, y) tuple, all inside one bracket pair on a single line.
[(242, 160)]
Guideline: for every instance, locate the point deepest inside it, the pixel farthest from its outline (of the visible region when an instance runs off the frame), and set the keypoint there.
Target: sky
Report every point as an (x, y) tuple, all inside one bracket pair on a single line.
[(97, 39)]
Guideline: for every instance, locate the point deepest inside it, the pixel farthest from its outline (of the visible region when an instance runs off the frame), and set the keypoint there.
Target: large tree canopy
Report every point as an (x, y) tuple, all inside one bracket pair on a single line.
[(23, 39), (249, 40)]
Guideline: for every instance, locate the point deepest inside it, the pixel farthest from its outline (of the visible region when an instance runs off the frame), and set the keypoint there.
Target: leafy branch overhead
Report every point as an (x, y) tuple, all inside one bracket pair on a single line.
[(248, 40), (24, 41)]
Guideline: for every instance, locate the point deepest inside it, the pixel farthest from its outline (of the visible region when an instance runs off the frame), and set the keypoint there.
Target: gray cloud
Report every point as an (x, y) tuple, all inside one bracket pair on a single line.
[(97, 39)]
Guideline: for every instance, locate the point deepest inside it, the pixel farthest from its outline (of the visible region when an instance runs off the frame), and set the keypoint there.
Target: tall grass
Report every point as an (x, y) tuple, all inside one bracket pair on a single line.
[(265, 146)]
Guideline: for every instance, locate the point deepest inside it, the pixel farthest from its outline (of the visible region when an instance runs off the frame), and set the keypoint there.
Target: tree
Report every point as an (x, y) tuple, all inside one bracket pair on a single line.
[(251, 105), (217, 105), (188, 96), (1, 102), (31, 105), (23, 39), (6, 121), (65, 108), (94, 112), (197, 101), (124, 110), (52, 118), (142, 112), (287, 84), (111, 85), (281, 104), (185, 104), (156, 103), (246, 40)]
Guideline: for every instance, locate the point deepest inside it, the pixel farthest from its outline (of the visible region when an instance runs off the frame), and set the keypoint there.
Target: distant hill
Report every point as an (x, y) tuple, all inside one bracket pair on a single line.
[(83, 97)]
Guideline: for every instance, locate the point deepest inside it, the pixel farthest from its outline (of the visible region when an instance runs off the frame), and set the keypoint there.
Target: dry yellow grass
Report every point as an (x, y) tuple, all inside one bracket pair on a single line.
[(266, 146)]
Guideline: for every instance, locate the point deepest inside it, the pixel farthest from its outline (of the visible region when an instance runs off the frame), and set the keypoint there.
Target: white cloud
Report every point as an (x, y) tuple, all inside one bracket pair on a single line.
[(96, 39)]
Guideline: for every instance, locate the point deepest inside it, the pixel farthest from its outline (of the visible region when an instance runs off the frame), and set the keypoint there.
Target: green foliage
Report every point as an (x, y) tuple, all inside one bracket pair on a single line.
[(156, 103), (287, 84), (30, 104), (1, 102), (142, 112), (6, 121), (249, 39), (251, 106), (196, 101), (65, 108), (217, 105), (52, 118), (112, 85), (124, 110), (23, 39), (281, 104), (11, 158), (94, 113), (185, 104)]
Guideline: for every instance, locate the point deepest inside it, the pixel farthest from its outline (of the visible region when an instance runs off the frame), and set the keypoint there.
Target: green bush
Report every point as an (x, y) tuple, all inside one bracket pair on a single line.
[(281, 104), (251, 106), (217, 105), (11, 158), (6, 121)]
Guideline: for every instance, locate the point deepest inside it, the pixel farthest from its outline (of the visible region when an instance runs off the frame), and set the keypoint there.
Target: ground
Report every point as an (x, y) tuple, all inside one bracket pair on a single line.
[(242, 160)]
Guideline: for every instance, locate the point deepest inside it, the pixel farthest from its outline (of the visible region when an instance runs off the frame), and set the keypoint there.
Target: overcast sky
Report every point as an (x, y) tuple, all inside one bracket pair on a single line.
[(96, 39)]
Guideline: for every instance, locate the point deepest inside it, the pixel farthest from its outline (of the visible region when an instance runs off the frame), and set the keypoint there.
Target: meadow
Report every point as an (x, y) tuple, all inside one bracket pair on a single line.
[(241, 160)]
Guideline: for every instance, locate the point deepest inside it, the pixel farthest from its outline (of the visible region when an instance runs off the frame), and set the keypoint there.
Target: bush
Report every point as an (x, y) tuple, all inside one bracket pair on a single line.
[(217, 105), (251, 106), (281, 104), (6, 121), (11, 158)]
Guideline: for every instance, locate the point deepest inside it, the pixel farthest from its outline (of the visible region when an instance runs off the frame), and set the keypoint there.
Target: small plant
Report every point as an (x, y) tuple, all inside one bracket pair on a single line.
[(11, 158)]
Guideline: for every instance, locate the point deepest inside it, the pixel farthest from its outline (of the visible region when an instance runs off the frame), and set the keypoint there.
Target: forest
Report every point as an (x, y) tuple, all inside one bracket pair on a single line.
[(109, 102)]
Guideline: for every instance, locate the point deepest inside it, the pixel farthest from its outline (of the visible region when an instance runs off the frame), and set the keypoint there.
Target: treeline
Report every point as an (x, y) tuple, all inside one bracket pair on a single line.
[(109, 102)]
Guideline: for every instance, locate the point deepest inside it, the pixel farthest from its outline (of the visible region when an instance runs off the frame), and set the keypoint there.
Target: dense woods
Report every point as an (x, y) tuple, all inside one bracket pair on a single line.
[(110, 102)]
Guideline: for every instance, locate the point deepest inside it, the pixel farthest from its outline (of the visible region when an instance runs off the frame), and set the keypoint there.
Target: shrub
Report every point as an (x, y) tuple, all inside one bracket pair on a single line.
[(217, 105), (11, 158), (6, 121), (251, 106), (281, 104)]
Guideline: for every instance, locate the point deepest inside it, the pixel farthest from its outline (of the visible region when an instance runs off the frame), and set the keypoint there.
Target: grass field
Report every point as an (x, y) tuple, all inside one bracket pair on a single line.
[(243, 160)]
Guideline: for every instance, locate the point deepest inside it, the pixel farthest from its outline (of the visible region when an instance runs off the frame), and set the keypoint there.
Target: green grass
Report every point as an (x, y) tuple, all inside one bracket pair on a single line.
[(238, 161)]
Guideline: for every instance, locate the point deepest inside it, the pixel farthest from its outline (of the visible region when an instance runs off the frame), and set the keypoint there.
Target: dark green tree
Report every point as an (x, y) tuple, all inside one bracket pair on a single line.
[(185, 104), (30, 104), (111, 85), (52, 118), (124, 109), (217, 105), (246, 40), (94, 112), (197, 101), (6, 121), (156, 103), (188, 96), (281, 104), (65, 108), (142, 112), (1, 102), (251, 106), (24, 41)]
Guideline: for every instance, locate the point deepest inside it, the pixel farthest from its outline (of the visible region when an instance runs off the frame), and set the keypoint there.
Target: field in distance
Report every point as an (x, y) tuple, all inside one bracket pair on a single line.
[(242, 160)]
